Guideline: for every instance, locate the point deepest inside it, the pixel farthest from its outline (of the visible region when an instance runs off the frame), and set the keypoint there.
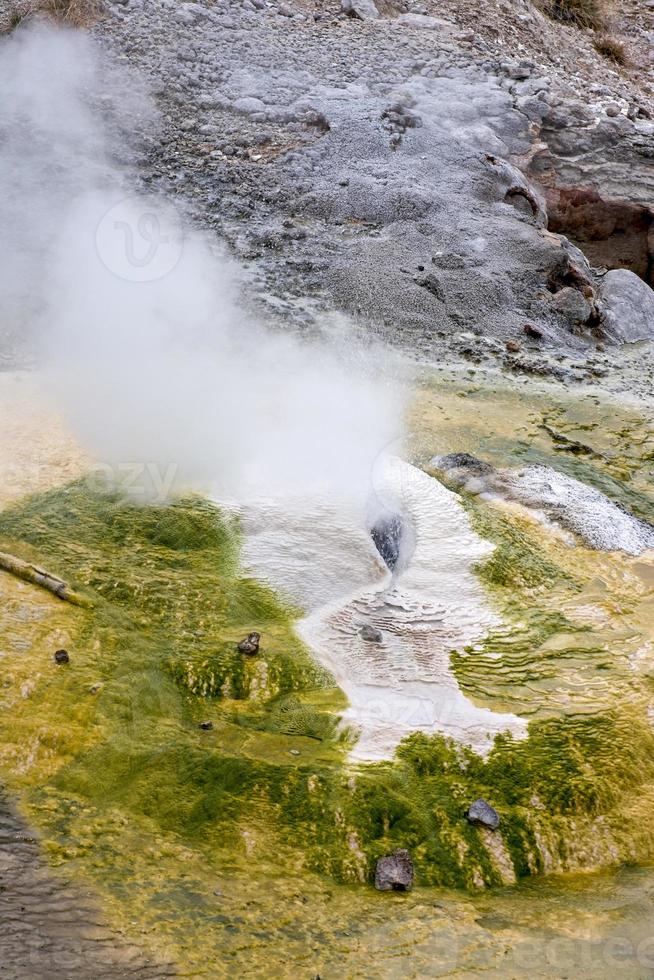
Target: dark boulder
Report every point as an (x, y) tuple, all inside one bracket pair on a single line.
[(387, 536), (250, 645), (370, 634), (482, 814), (627, 307), (61, 657), (394, 872)]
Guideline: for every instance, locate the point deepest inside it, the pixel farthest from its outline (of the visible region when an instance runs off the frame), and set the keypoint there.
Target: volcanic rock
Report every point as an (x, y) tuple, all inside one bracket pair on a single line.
[(572, 305), (387, 536), (627, 307), (250, 645), (394, 872), (464, 462), (482, 814)]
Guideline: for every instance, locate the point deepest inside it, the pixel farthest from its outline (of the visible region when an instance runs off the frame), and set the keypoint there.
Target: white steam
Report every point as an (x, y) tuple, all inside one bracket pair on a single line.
[(151, 356)]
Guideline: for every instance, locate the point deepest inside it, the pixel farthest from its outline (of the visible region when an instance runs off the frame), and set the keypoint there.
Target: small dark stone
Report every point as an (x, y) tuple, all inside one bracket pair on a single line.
[(61, 657), (387, 535), (394, 872), (206, 726), (531, 330), (250, 645), (371, 634), (482, 814)]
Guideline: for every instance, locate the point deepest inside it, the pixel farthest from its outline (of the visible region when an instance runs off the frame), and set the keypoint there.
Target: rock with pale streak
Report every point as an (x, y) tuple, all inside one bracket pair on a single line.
[(394, 872)]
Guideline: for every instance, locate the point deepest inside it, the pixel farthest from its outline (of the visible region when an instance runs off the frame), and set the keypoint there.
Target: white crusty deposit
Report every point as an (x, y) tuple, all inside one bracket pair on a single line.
[(429, 607), (574, 506)]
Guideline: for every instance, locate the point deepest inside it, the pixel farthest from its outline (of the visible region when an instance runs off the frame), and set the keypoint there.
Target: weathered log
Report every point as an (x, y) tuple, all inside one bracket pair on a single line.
[(38, 576)]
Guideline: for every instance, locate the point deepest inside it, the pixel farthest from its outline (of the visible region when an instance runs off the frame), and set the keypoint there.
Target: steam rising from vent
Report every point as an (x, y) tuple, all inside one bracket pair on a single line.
[(136, 318)]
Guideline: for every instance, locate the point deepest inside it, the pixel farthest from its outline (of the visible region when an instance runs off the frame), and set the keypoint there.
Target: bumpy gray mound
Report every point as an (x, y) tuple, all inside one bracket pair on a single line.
[(361, 164), (599, 522)]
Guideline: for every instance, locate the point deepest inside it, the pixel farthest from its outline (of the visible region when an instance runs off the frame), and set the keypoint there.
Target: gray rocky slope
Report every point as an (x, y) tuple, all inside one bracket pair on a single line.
[(377, 166)]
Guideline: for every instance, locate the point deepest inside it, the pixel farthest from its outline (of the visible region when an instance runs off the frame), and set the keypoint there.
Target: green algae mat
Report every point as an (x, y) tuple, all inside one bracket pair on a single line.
[(213, 845)]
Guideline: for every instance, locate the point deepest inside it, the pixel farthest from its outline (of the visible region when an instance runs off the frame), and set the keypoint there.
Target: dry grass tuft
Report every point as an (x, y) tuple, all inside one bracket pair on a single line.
[(76, 13), (611, 49), (582, 13)]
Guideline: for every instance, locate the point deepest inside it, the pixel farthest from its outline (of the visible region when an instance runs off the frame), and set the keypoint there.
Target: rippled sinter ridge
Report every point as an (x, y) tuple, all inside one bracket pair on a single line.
[(424, 611)]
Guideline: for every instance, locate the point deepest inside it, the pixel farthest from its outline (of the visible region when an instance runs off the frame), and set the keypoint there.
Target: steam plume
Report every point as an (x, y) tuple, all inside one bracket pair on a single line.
[(138, 321)]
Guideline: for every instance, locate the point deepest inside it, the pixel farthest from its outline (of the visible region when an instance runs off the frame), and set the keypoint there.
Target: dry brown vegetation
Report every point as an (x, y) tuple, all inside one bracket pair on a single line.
[(76, 13), (583, 13), (611, 49), (79, 13)]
